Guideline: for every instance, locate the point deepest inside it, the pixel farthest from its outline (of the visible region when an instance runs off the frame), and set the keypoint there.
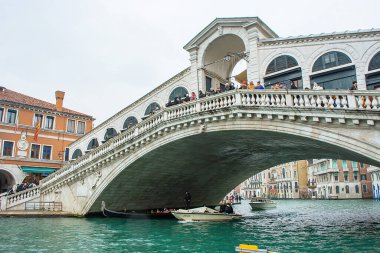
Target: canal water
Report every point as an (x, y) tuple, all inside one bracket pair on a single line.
[(294, 226)]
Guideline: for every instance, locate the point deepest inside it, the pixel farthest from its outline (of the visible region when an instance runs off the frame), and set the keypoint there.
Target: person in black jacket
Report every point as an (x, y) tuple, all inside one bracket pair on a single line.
[(187, 200)]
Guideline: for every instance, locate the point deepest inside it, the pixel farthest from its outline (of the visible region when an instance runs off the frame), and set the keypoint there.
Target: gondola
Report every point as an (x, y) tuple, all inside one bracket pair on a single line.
[(135, 215)]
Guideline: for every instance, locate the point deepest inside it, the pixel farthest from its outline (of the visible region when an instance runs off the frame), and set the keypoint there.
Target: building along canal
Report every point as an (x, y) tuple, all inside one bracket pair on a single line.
[(294, 226)]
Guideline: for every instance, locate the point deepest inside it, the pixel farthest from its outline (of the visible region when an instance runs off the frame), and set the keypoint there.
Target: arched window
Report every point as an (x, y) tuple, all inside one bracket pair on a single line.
[(330, 60), (347, 189), (375, 62), (93, 144), (111, 132), (178, 92), (77, 153), (151, 108), (280, 63), (129, 122)]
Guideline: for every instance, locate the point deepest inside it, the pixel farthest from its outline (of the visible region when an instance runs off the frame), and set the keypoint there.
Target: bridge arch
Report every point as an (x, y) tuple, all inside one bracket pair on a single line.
[(152, 107), (77, 153), (220, 56), (222, 156)]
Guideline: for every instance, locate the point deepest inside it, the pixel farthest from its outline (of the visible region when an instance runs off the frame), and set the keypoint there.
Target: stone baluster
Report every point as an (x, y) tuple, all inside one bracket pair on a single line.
[(295, 101), (375, 104), (368, 103), (273, 100), (313, 102), (301, 101), (319, 101), (262, 100), (307, 100), (331, 102), (338, 102)]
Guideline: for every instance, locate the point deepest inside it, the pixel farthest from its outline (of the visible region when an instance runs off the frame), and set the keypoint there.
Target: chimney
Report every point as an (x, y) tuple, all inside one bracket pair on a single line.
[(59, 96)]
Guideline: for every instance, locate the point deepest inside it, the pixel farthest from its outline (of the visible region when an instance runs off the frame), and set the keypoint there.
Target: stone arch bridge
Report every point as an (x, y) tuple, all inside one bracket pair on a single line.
[(208, 146)]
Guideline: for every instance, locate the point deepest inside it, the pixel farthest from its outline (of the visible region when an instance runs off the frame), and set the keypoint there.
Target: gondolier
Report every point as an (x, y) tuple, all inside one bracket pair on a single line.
[(187, 200)]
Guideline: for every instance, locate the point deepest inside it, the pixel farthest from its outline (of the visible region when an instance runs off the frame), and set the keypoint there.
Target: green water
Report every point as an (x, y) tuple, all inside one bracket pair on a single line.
[(295, 226)]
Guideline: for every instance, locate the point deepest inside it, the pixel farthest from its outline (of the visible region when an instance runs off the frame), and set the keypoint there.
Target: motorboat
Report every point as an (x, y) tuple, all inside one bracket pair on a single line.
[(165, 214), (246, 248), (260, 203), (204, 214)]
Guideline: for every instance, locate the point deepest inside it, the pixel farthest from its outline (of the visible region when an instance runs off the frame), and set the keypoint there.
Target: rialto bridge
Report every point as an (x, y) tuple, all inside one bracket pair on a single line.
[(147, 155)]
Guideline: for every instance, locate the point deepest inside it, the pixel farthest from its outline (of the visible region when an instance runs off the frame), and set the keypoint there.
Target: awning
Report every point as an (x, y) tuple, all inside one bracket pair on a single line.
[(242, 77), (45, 170)]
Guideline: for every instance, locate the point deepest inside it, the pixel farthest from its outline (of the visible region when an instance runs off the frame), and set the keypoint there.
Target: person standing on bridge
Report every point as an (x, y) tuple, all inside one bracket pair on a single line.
[(187, 200)]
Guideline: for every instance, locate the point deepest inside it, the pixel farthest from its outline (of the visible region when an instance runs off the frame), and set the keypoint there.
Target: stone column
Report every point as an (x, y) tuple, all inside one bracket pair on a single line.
[(253, 68), (195, 77)]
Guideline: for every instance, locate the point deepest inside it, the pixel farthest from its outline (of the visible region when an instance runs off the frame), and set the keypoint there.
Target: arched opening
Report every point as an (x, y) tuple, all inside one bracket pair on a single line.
[(6, 181), (334, 71), (110, 133), (284, 70), (129, 122), (77, 153), (373, 78), (219, 60), (178, 92), (93, 144), (152, 108)]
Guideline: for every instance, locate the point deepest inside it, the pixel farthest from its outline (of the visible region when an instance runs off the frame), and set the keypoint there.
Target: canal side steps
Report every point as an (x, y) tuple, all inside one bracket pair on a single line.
[(18, 200)]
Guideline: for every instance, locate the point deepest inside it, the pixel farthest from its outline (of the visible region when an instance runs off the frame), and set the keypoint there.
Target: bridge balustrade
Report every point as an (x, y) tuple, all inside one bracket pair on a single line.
[(325, 99)]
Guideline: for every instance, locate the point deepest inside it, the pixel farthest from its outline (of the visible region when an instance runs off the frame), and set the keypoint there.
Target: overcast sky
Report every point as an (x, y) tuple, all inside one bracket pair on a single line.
[(107, 54)]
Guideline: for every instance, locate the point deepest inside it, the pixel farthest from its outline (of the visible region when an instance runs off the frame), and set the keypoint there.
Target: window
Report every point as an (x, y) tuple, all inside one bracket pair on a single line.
[(335, 164), (81, 126), (347, 189), (152, 108), (179, 92), (67, 151), (8, 148), (355, 176), (71, 126), (93, 144), (337, 189), (11, 116), (35, 151), (77, 153), (1, 114), (110, 133), (129, 122), (346, 177), (49, 122), (363, 177), (37, 118), (330, 60), (364, 188), (46, 152), (280, 63), (375, 62), (344, 165)]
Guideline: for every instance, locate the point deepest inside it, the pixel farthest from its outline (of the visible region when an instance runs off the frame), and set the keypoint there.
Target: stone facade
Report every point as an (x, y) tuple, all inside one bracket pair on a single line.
[(259, 45)]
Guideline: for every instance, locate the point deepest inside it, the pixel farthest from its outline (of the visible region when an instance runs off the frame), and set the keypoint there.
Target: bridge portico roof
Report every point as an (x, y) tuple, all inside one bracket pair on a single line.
[(234, 21)]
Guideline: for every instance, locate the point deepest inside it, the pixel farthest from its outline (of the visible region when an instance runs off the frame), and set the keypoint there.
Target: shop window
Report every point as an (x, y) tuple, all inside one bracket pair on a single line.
[(129, 122), (49, 122), (81, 126), (280, 63), (375, 62), (8, 148), (152, 108), (179, 92), (330, 60), (11, 116), (35, 151), (77, 153), (71, 126), (37, 118), (46, 152)]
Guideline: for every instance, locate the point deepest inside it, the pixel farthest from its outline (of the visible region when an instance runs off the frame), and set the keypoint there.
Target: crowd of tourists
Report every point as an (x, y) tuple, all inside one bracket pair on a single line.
[(21, 187)]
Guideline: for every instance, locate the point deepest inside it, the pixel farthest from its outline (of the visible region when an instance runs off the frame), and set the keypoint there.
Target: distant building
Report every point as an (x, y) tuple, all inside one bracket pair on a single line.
[(339, 179), (35, 135), (284, 181), (375, 176)]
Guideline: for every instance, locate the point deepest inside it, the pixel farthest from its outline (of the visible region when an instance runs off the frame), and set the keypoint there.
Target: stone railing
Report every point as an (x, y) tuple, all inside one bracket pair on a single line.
[(326, 99), (15, 199)]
